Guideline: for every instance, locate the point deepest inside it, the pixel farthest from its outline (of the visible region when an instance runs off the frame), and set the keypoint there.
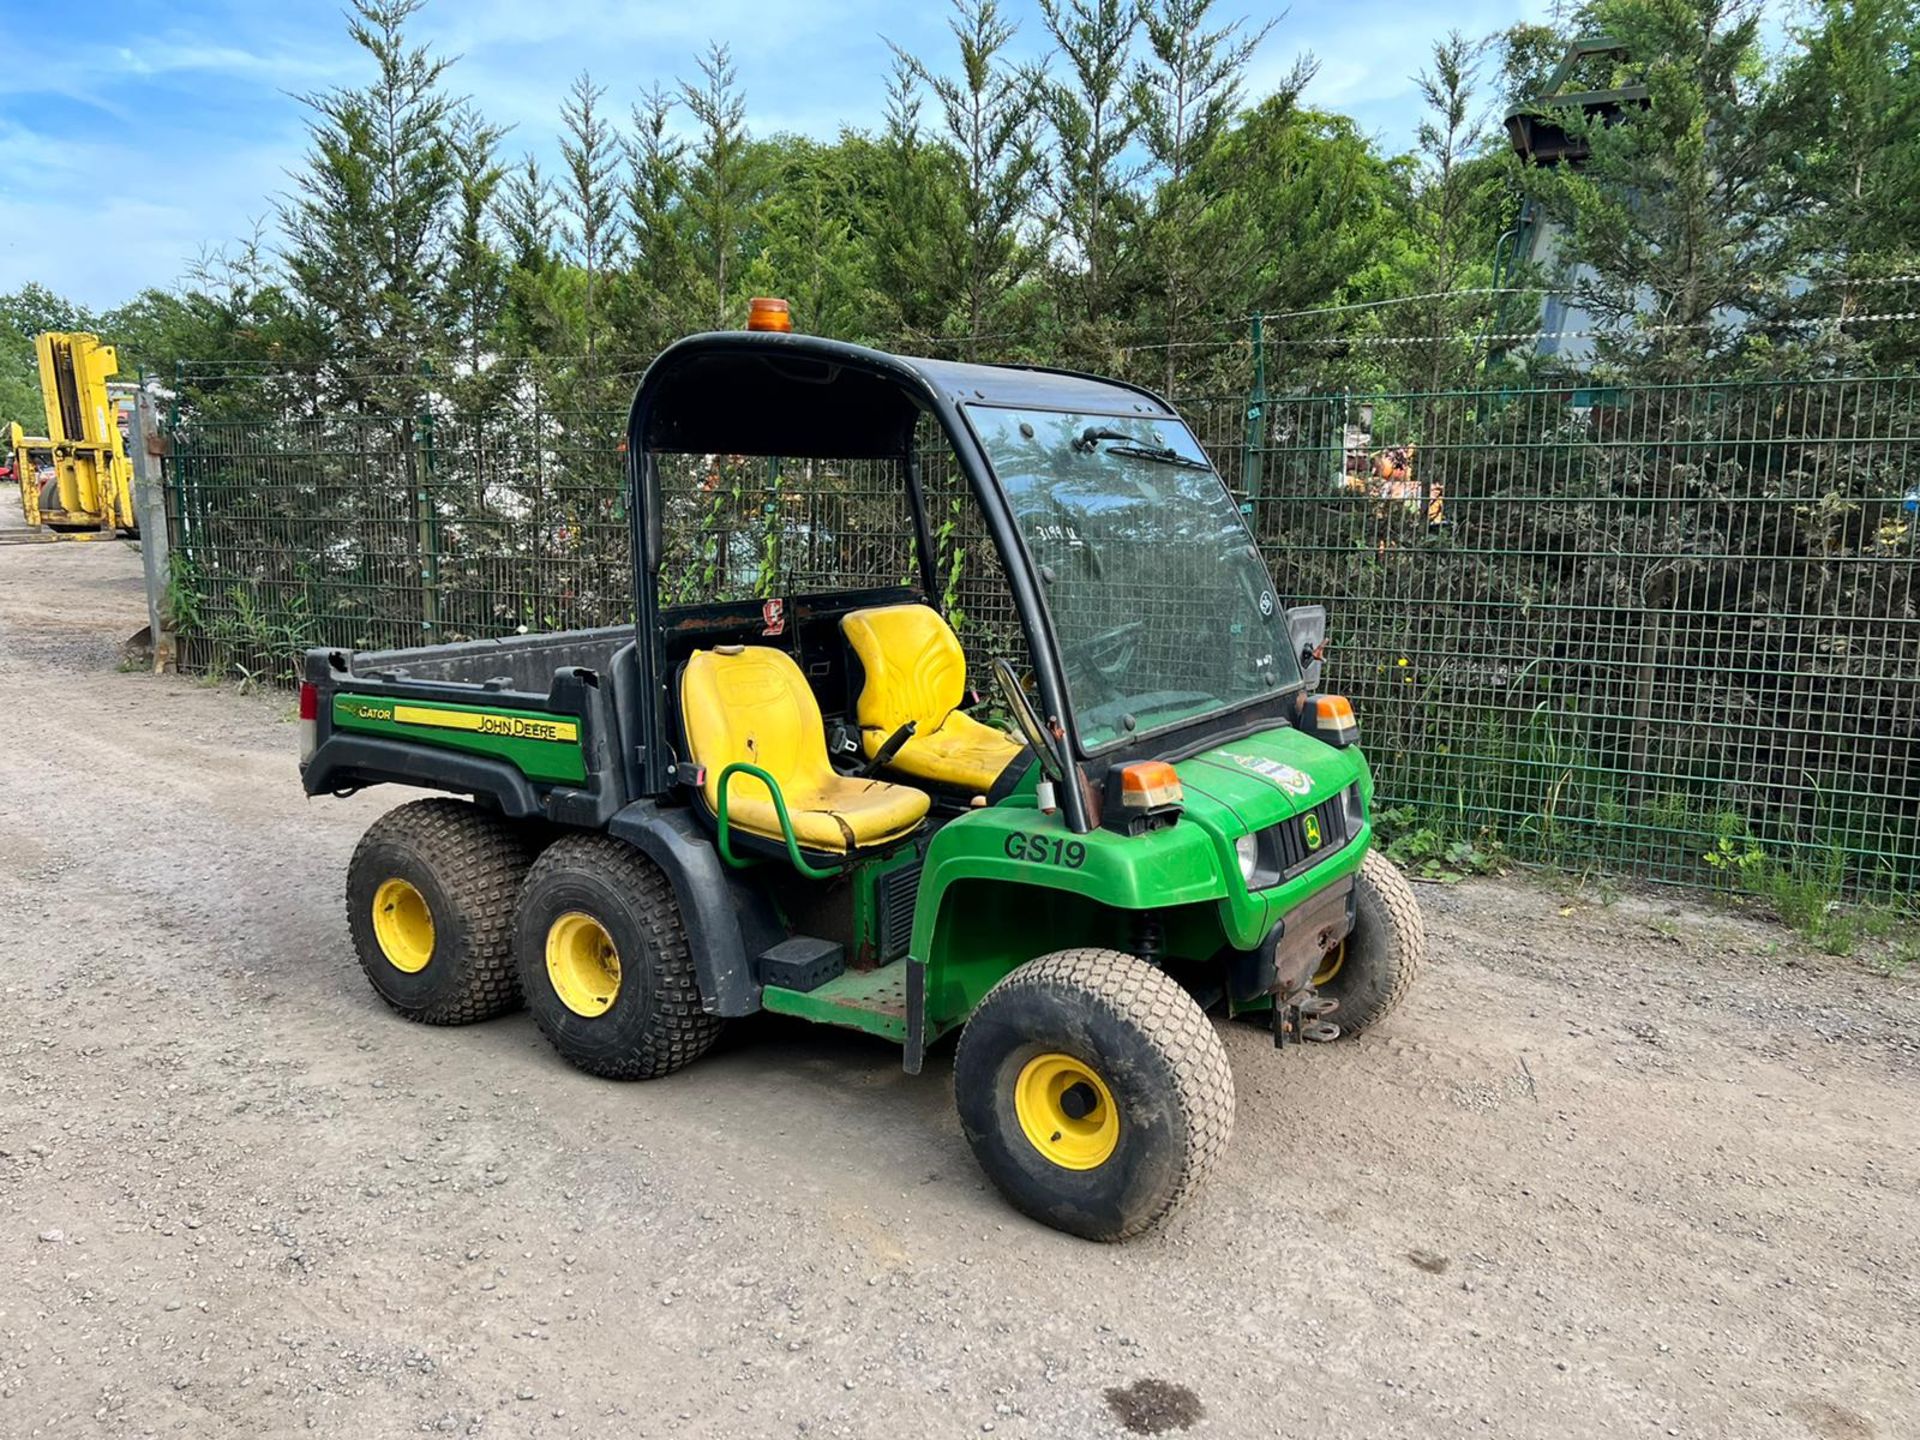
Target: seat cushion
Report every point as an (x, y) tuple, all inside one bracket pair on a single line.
[(751, 705), (838, 816), (915, 669), (962, 753)]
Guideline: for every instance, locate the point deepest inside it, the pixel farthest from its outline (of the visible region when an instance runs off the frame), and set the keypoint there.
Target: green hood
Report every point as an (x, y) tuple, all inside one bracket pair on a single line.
[(1248, 784)]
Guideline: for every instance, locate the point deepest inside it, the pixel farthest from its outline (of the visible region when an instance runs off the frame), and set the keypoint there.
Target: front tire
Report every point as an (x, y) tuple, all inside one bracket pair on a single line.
[(1094, 1092), (1378, 963), (604, 961), (430, 896)]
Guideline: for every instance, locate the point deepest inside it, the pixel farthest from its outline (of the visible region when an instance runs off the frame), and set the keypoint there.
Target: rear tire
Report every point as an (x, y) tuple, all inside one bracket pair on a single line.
[(1094, 1091), (604, 961), (430, 896), (1384, 953)]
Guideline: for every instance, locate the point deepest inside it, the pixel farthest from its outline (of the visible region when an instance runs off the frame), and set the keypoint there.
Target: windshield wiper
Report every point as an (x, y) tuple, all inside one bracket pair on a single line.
[(1094, 434), (1133, 449), (1164, 455)]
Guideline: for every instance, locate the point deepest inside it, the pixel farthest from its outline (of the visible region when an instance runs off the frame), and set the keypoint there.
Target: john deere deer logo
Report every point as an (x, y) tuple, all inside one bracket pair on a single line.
[(1310, 827)]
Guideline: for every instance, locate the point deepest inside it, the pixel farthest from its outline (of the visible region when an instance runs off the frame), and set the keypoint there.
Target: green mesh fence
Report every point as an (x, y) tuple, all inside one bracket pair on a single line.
[(1627, 627), (1631, 627)]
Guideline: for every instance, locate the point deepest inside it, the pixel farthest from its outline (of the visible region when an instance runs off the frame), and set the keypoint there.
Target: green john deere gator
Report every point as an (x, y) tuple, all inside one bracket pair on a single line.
[(785, 804)]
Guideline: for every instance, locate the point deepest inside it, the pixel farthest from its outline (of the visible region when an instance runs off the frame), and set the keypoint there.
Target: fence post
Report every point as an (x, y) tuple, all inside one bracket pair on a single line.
[(150, 510), (183, 489), (423, 518), (1250, 460)]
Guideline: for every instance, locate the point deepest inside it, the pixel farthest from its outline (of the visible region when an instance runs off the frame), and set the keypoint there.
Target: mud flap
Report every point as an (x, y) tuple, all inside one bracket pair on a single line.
[(916, 1049)]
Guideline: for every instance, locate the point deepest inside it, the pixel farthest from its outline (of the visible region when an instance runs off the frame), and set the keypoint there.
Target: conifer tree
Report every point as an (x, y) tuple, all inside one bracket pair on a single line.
[(589, 151), (990, 117), (368, 225), (1093, 114), (722, 186)]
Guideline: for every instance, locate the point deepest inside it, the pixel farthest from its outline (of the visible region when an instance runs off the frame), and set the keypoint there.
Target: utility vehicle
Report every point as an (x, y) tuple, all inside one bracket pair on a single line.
[(783, 802)]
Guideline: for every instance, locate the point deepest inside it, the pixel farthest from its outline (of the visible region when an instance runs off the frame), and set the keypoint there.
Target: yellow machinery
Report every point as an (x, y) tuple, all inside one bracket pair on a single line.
[(28, 460), (92, 484)]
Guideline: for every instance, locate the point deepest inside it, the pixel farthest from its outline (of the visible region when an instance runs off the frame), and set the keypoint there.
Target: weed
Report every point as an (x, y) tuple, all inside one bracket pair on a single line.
[(1804, 893), (1435, 851), (1904, 956)]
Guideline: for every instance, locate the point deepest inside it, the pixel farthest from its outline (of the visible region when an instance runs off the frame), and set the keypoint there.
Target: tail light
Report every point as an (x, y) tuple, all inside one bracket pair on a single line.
[(309, 719)]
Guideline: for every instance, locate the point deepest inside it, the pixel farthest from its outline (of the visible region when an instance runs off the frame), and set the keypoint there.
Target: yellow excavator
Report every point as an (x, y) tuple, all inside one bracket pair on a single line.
[(76, 482)]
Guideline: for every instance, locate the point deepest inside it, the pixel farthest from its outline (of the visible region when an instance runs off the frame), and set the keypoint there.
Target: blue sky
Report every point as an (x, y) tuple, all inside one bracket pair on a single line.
[(133, 135)]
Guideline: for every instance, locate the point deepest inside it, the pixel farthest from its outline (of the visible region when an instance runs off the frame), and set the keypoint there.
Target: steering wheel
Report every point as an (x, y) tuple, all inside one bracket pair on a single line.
[(1110, 653)]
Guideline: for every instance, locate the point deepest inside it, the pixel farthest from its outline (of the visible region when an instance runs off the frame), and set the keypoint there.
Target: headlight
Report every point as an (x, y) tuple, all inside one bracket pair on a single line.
[(1247, 847)]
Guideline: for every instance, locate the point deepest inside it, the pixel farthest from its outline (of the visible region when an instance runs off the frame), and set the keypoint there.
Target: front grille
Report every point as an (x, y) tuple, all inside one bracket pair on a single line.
[(895, 896), (1328, 820)]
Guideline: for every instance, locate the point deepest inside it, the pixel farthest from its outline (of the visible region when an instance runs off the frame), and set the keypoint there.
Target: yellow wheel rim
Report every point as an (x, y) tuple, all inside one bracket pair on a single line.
[(1066, 1111), (403, 926), (1332, 966), (583, 964)]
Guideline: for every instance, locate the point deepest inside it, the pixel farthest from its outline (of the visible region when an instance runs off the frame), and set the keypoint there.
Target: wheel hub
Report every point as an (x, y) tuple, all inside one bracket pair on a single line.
[(1079, 1100), (583, 964), (1066, 1111), (1330, 967), (403, 925)]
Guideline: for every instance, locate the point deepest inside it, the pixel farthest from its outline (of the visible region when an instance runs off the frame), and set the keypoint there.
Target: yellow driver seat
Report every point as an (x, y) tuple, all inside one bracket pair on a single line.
[(917, 671), (751, 704)]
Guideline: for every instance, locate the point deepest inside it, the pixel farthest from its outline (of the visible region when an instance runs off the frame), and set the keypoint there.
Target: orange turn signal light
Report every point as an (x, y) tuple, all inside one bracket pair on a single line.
[(1334, 711), (1149, 785), (1334, 721), (766, 313)]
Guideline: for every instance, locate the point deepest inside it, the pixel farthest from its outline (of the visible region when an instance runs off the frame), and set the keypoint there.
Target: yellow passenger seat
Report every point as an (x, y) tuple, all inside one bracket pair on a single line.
[(917, 671), (751, 704)]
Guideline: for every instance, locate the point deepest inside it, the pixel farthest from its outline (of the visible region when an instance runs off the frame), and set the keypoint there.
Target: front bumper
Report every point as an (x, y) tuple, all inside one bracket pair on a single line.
[(1297, 945)]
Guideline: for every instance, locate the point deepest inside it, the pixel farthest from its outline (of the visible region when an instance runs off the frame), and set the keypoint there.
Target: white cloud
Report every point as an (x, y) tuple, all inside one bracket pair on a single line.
[(94, 75), (101, 244), (205, 128)]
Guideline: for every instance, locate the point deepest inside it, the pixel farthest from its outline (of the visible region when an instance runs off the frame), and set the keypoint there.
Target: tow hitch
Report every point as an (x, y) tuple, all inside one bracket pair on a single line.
[(1302, 1015)]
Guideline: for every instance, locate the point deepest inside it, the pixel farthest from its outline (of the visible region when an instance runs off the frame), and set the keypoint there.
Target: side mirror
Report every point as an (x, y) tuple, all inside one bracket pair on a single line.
[(1052, 766), (1307, 632)]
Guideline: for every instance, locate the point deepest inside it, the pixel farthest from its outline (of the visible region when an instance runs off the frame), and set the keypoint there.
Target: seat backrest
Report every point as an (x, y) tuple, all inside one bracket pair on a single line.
[(750, 703), (915, 667)]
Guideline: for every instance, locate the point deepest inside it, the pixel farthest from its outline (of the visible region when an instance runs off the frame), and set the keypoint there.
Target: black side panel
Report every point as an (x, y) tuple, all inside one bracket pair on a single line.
[(349, 761), (585, 693), (623, 675), (728, 921)]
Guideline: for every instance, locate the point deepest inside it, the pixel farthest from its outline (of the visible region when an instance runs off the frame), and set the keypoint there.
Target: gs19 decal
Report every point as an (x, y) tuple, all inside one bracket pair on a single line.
[(1046, 850)]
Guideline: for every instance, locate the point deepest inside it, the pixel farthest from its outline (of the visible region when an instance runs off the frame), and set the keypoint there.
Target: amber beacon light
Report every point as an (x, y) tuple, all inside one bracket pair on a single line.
[(766, 313)]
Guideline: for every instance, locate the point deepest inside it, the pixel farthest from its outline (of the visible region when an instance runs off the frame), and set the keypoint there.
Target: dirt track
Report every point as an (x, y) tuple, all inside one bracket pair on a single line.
[(1615, 1170)]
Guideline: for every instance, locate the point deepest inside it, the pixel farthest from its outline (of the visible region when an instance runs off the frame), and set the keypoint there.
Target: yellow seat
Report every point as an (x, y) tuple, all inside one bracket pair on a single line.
[(750, 704), (917, 671)]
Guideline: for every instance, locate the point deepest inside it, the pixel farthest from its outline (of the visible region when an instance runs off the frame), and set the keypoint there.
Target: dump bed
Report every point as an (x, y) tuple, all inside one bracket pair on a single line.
[(531, 724)]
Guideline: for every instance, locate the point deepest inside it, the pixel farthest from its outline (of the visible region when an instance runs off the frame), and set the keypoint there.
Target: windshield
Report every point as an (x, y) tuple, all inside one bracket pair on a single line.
[(1162, 606)]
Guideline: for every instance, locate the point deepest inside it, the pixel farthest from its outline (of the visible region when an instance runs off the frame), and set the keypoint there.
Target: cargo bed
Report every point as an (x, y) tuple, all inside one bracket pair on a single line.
[(530, 724)]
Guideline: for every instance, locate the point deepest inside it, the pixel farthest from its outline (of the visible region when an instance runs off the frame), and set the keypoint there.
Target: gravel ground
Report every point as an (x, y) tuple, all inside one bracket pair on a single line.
[(1616, 1169)]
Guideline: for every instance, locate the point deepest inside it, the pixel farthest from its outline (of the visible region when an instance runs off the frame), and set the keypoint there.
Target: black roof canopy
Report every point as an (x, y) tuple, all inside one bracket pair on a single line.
[(766, 393)]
